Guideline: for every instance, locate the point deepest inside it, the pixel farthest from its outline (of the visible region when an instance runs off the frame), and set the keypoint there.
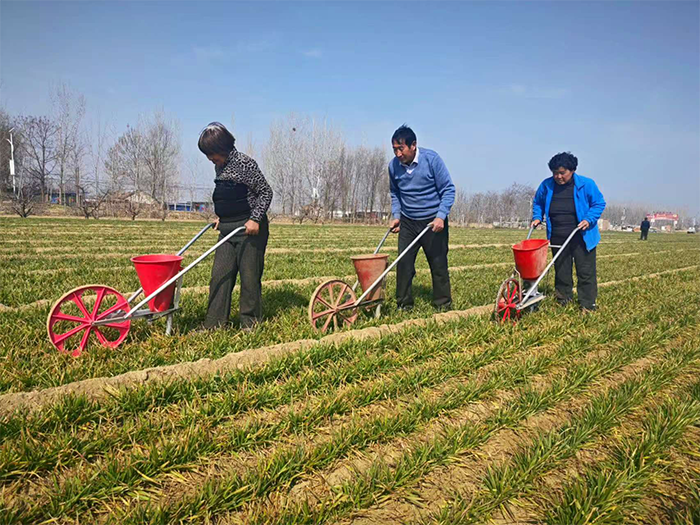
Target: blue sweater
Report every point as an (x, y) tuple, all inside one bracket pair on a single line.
[(425, 193), (588, 201)]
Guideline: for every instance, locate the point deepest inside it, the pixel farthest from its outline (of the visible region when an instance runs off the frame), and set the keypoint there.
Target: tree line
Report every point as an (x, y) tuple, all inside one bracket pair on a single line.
[(315, 174)]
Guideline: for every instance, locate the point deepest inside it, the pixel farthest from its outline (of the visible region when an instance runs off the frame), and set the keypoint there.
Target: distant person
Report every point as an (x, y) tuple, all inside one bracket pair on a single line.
[(422, 194), (645, 229), (242, 197), (567, 200)]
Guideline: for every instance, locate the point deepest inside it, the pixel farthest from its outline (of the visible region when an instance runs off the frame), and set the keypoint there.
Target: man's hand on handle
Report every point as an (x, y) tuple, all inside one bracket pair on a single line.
[(216, 224), (584, 225), (535, 223), (438, 225)]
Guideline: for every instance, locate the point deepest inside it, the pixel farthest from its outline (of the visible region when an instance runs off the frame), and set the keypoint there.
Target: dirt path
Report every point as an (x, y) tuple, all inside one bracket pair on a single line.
[(101, 387)]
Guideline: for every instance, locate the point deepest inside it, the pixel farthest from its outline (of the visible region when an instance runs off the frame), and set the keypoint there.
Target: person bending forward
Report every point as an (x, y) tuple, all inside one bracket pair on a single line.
[(241, 198)]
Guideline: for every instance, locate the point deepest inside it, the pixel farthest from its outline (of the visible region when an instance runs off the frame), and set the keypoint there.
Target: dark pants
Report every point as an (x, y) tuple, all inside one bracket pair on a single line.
[(435, 246), (587, 287), (644, 235), (240, 254)]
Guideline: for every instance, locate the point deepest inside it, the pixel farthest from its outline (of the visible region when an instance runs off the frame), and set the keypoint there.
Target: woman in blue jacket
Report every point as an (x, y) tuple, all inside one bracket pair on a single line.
[(567, 200)]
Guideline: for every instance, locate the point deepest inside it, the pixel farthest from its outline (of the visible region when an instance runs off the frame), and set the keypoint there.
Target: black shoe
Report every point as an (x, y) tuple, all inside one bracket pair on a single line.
[(564, 302), (588, 309), (443, 307), (405, 308), (249, 326)]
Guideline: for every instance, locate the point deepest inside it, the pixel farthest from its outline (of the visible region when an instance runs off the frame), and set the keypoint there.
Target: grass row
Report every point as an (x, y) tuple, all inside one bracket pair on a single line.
[(86, 486), (611, 491), (28, 361), (383, 478), (550, 449)]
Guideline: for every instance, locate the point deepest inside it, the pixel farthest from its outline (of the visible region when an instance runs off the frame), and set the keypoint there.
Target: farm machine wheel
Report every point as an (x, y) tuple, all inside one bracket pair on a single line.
[(507, 300), (331, 305), (71, 319)]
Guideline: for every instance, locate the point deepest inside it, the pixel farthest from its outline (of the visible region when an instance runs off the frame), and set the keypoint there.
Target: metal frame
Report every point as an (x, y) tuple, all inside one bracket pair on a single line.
[(391, 266), (136, 311), (532, 295)]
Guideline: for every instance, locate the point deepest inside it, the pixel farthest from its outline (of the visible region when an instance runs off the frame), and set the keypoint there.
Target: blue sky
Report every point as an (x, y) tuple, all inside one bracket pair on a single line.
[(496, 88)]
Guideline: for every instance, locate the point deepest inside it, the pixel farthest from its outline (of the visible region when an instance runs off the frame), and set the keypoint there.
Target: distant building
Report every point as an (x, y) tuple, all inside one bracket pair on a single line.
[(664, 220)]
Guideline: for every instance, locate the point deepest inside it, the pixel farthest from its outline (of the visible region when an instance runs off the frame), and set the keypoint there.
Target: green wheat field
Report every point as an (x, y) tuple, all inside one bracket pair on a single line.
[(562, 418)]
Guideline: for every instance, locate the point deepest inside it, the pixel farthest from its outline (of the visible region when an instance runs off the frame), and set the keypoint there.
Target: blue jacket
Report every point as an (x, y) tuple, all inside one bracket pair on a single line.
[(588, 201)]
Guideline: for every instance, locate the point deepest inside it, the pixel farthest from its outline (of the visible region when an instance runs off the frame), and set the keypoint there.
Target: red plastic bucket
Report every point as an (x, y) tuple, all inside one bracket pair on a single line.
[(531, 258), (368, 269), (153, 271)]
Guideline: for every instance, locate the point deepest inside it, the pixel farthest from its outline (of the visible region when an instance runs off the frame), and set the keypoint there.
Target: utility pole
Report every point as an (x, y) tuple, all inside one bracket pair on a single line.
[(12, 163)]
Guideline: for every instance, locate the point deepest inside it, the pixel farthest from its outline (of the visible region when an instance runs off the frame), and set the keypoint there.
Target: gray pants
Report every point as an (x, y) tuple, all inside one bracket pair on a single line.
[(240, 254)]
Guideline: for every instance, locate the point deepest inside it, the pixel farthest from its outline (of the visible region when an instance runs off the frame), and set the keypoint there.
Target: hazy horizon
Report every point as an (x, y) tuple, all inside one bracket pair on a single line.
[(496, 88)]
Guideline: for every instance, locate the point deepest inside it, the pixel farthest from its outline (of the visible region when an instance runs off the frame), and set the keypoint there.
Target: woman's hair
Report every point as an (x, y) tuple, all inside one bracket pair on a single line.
[(563, 160), (215, 139)]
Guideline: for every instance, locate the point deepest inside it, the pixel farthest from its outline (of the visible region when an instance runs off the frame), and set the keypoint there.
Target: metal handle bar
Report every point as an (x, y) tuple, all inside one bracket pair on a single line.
[(556, 256), (183, 272), (379, 247), (529, 234), (379, 279), (183, 250)]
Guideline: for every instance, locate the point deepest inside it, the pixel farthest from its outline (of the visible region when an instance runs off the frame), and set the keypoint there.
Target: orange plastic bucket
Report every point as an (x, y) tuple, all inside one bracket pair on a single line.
[(368, 269)]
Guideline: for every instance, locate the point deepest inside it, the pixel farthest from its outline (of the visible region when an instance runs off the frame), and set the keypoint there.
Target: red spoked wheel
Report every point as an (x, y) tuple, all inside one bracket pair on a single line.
[(509, 295), (330, 306), (72, 319)]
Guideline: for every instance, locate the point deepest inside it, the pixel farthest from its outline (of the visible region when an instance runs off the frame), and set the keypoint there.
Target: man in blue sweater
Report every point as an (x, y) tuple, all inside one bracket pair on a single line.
[(422, 194)]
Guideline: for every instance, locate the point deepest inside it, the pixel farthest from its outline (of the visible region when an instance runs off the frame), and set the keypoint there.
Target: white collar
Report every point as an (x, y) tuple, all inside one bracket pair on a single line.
[(415, 159)]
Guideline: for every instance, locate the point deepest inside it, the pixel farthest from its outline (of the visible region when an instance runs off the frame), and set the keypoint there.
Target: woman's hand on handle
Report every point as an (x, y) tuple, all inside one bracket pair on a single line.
[(215, 225), (535, 223), (394, 225), (584, 225), (252, 227)]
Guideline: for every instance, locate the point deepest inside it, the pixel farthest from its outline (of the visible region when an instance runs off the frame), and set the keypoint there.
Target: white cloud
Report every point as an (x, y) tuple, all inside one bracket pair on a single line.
[(204, 55), (313, 53), (525, 91)]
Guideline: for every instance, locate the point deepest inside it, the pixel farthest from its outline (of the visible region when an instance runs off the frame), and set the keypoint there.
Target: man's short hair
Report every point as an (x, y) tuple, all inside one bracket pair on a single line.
[(563, 160), (404, 134), (215, 139)]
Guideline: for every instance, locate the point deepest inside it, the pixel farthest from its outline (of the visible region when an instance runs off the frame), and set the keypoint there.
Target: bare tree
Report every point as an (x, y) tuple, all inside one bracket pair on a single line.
[(39, 147), (92, 207), (460, 208), (69, 110), (101, 131), (125, 162), (133, 205), (284, 161), (162, 158), (24, 202)]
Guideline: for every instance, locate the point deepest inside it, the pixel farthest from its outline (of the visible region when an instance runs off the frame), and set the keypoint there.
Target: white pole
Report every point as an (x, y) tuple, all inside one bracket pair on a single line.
[(12, 162)]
